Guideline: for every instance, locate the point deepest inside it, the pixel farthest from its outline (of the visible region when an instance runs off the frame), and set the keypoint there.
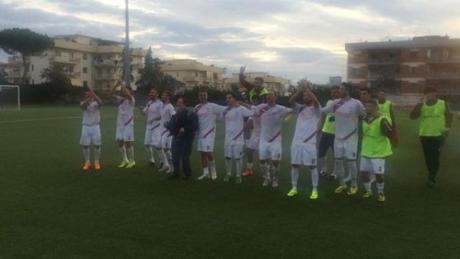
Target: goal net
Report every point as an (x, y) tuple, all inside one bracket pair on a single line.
[(10, 97)]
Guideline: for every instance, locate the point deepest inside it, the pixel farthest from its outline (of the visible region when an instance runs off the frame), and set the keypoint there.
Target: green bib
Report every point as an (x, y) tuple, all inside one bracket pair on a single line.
[(385, 109), (375, 144), (329, 121), (254, 93), (433, 119)]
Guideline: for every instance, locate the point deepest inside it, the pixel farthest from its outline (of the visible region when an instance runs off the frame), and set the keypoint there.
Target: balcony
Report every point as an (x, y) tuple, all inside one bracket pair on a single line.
[(65, 60), (107, 63), (191, 79), (384, 61), (440, 59), (445, 75), (108, 77)]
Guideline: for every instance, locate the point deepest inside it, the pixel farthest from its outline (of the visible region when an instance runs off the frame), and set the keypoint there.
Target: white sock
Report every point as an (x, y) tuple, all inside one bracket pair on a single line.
[(97, 153), (353, 170), (314, 178), (380, 187), (339, 171), (238, 167), (265, 170), (86, 154), (158, 155), (205, 171), (151, 154), (130, 153), (228, 166), (212, 167), (368, 187), (294, 177), (123, 154), (169, 157), (250, 166), (275, 172), (165, 158)]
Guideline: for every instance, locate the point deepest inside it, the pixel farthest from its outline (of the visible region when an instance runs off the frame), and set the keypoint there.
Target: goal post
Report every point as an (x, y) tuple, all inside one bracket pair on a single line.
[(10, 97)]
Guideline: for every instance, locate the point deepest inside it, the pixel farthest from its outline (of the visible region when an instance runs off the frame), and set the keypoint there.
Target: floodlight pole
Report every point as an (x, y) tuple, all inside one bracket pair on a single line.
[(126, 64)]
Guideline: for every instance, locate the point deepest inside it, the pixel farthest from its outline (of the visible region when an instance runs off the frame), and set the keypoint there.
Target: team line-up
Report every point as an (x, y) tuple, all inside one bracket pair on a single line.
[(361, 133)]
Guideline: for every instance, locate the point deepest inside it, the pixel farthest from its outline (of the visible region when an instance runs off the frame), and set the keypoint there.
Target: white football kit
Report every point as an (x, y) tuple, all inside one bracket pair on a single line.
[(271, 118), (347, 113), (254, 140), (152, 129), (91, 130), (234, 130), (166, 114), (125, 119), (303, 148), (207, 116)]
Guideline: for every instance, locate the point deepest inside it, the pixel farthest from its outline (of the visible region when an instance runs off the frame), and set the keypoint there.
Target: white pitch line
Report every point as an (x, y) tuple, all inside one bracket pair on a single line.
[(41, 119)]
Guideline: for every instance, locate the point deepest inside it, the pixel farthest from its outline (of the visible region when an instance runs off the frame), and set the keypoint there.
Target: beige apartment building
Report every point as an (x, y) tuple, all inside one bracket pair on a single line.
[(88, 61), (278, 85), (193, 73)]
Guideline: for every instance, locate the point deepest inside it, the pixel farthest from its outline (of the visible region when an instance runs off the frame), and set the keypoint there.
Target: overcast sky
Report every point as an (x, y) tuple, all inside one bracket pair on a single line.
[(291, 38)]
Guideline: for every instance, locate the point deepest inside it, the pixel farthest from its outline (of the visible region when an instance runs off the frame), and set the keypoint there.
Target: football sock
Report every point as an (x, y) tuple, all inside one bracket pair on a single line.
[(368, 186), (314, 178), (228, 166), (86, 153), (339, 171), (97, 153), (212, 167), (124, 157), (238, 167), (130, 153), (353, 170), (380, 187), (294, 176)]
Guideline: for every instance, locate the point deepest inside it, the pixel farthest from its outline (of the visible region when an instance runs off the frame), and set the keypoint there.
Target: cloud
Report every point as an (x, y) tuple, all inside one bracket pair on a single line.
[(291, 38)]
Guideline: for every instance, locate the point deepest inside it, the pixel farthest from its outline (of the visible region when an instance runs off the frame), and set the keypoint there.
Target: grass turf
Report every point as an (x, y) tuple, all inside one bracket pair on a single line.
[(50, 209)]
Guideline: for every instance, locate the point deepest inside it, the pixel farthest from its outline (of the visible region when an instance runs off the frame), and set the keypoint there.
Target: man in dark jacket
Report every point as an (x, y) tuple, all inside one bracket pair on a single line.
[(183, 127)]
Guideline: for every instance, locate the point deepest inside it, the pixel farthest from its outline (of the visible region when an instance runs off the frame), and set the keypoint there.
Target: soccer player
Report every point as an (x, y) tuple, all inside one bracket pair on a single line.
[(386, 108), (255, 89), (375, 148), (207, 115), (365, 94), (167, 111), (270, 149), (125, 124), (435, 123), (347, 112), (152, 140), (252, 145), (326, 141), (303, 148), (234, 116), (91, 130)]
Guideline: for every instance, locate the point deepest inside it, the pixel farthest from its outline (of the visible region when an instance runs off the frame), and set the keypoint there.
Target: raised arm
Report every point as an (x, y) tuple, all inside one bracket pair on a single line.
[(243, 81), (84, 104), (313, 97), (94, 95), (294, 97)]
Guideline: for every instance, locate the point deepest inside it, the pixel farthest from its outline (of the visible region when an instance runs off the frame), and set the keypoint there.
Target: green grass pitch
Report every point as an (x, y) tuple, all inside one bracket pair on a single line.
[(50, 209)]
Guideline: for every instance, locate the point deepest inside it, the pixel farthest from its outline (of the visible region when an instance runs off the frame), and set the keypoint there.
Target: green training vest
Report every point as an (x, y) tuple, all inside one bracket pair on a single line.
[(375, 144), (385, 109), (433, 119), (254, 92), (329, 121)]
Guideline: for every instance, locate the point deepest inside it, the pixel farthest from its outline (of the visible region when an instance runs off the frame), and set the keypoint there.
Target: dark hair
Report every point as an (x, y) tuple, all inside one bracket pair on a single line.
[(348, 87), (429, 90), (181, 97), (365, 89), (168, 93), (371, 101), (203, 89)]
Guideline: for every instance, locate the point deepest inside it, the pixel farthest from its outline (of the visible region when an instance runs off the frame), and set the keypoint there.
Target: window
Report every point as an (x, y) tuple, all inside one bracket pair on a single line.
[(32, 67), (85, 83), (413, 54), (413, 70), (85, 56), (85, 70)]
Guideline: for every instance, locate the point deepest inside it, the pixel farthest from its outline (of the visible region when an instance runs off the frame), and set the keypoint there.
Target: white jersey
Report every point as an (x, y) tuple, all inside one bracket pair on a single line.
[(255, 122), (234, 123), (271, 118), (207, 116), (347, 113), (125, 111), (167, 112), (91, 115), (153, 113), (307, 124)]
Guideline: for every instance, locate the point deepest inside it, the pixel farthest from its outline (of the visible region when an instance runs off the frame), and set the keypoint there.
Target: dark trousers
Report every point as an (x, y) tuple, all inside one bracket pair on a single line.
[(326, 142), (432, 150), (181, 150)]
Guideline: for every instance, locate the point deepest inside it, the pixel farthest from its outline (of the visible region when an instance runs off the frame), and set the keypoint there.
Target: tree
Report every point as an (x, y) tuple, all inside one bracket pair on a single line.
[(170, 83), (24, 42), (58, 84), (151, 74)]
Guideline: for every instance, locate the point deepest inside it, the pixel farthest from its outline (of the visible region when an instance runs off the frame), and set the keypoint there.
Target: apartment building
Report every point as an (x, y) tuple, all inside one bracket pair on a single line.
[(407, 66), (193, 73), (276, 84), (88, 61)]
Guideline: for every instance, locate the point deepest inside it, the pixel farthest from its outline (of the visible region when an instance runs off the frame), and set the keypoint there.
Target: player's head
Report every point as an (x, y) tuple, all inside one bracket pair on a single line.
[(307, 98), (381, 96), (180, 103), (345, 90), (153, 94), (371, 106), (203, 95), (271, 98), (166, 96), (259, 82), (230, 99), (430, 93), (365, 94), (335, 92)]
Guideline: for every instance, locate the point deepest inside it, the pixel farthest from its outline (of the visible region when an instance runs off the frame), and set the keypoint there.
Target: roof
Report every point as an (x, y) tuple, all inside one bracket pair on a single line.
[(416, 42), (86, 36)]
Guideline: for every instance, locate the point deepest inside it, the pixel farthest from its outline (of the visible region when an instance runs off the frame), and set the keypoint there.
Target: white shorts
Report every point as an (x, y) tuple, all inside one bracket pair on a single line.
[(90, 135), (270, 151), (372, 165), (166, 141), (234, 150), (346, 149), (125, 133), (253, 142), (304, 154), (206, 144)]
